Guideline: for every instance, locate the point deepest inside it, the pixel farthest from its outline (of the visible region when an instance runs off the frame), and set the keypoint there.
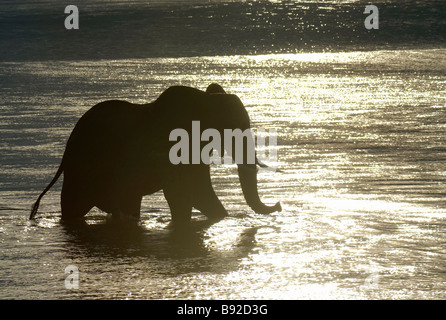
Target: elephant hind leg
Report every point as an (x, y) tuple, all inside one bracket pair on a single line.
[(129, 206), (74, 204)]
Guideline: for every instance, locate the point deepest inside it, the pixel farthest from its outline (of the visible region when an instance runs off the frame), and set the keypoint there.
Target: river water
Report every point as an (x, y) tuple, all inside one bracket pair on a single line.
[(362, 159)]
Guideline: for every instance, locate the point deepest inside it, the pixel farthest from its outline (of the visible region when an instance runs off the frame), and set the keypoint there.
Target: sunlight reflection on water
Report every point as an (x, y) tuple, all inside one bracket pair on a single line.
[(360, 146)]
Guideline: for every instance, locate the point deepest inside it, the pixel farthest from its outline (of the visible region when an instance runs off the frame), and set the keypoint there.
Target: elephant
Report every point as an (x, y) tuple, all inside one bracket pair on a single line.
[(118, 152)]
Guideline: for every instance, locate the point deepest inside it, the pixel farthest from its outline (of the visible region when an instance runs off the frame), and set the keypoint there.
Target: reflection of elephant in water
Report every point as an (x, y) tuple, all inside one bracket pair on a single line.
[(118, 152)]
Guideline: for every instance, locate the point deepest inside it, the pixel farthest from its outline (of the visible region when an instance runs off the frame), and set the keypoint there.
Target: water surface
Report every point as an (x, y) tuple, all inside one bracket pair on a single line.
[(360, 145), (360, 117)]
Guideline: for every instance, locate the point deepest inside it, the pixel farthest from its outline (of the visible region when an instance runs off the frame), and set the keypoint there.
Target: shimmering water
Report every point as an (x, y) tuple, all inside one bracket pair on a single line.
[(361, 123), (360, 146)]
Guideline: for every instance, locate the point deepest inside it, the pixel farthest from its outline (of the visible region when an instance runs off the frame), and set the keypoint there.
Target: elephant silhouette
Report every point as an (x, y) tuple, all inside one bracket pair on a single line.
[(118, 152)]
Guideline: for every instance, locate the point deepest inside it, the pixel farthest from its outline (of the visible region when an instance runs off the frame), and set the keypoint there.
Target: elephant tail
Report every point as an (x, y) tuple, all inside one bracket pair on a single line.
[(48, 187)]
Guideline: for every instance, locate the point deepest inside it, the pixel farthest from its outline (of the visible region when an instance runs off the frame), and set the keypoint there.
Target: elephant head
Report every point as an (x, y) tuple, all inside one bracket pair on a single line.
[(237, 118)]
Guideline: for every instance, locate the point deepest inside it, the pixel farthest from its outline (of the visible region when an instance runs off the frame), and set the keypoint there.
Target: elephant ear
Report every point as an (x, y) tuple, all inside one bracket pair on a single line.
[(215, 88)]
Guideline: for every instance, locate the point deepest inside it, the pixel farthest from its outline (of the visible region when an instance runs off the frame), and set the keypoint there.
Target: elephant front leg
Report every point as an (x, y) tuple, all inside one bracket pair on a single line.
[(204, 197), (192, 187)]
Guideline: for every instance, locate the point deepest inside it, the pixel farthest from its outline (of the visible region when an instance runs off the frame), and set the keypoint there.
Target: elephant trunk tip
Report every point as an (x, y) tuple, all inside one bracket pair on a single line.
[(269, 209)]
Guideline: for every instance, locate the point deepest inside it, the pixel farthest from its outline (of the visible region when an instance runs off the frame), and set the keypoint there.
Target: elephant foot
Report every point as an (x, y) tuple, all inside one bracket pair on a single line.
[(192, 225), (122, 217)]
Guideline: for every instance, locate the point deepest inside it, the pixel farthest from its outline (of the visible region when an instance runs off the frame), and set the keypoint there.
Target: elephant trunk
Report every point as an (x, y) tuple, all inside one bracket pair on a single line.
[(248, 181)]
